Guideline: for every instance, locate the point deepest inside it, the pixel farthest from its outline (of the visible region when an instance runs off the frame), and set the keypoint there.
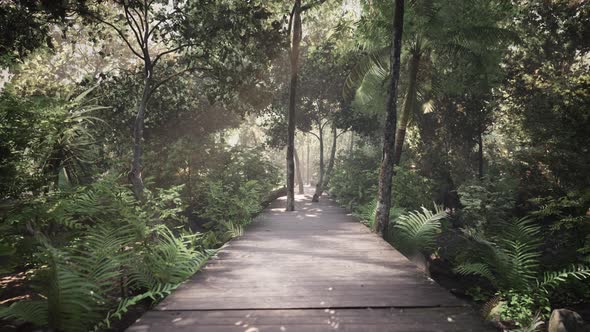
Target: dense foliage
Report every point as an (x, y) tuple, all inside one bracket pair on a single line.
[(497, 133), (190, 98)]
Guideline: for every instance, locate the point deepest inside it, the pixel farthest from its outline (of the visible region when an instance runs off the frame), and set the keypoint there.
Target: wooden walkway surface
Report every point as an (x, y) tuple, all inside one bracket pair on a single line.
[(315, 269)]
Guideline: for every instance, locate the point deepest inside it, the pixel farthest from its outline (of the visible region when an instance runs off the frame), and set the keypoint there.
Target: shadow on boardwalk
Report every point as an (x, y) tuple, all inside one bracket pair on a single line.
[(315, 269)]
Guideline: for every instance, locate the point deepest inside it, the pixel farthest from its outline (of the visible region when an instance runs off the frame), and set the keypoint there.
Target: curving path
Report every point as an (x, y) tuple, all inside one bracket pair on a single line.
[(316, 269)]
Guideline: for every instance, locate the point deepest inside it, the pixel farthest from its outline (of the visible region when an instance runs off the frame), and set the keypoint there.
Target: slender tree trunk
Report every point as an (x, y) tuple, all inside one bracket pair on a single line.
[(296, 39), (409, 102), (298, 173), (318, 185), (351, 143), (308, 170), (332, 160), (386, 172), (480, 155), (135, 175)]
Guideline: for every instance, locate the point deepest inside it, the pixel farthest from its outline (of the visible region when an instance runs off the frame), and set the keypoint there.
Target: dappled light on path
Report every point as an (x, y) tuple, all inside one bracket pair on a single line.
[(312, 269)]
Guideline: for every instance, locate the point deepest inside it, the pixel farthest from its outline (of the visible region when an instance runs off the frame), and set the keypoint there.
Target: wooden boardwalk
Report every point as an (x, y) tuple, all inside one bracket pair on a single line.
[(316, 269)]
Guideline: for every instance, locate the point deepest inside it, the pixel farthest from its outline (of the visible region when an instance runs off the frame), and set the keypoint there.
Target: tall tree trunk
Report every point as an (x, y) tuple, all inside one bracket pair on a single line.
[(296, 40), (318, 185), (298, 173), (480, 155), (351, 143), (135, 174), (332, 159), (409, 102), (386, 172)]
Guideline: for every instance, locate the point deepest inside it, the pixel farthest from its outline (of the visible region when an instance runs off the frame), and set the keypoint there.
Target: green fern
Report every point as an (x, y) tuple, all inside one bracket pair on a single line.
[(366, 213), (157, 294), (477, 269), (30, 311), (169, 261), (417, 230), (511, 261), (233, 229), (553, 279)]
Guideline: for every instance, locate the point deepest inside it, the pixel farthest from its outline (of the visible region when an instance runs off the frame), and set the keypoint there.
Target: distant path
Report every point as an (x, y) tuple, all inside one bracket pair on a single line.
[(316, 269)]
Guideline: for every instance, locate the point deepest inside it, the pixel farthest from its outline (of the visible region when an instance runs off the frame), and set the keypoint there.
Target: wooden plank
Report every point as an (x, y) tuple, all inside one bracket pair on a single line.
[(406, 320), (315, 269)]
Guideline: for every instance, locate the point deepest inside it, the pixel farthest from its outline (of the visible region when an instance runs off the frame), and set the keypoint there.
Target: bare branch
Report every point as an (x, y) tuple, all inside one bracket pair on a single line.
[(119, 32), (143, 23), (290, 22), (172, 76), (172, 50), (311, 133), (342, 132), (153, 29), (311, 5), (132, 23)]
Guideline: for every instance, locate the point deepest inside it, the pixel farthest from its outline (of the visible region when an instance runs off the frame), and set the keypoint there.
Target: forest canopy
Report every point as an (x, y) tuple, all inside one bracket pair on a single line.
[(139, 136)]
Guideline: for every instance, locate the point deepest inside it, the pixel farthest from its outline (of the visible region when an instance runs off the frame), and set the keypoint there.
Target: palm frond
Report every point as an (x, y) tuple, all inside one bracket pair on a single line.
[(375, 62)]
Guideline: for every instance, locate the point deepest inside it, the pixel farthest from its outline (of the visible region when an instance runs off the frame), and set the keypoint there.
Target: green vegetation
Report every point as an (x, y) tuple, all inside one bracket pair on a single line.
[(137, 137)]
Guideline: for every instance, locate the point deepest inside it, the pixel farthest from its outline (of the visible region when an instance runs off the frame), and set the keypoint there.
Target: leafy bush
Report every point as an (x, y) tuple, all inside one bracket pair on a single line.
[(487, 203), (510, 259), (116, 251), (355, 178), (355, 181), (411, 191)]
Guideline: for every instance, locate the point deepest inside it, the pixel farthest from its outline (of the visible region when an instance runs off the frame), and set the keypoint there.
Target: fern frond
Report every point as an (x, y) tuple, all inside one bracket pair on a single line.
[(30, 311), (476, 269), (418, 230), (170, 261), (553, 279), (156, 294)]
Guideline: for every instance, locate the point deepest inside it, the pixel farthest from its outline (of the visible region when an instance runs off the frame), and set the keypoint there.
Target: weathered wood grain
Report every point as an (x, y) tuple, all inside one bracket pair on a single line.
[(366, 320), (314, 269)]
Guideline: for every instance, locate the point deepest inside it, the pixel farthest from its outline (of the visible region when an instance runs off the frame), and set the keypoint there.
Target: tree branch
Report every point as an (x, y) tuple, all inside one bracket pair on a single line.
[(172, 50), (172, 76), (342, 132), (311, 5), (290, 22), (312, 133), (119, 32), (143, 23), (131, 22)]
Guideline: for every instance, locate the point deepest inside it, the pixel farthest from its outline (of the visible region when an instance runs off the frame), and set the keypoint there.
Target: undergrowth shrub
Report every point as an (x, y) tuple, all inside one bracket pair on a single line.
[(96, 251), (509, 258)]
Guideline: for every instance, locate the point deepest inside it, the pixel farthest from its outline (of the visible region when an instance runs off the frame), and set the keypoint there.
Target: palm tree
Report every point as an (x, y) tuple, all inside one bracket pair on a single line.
[(431, 34)]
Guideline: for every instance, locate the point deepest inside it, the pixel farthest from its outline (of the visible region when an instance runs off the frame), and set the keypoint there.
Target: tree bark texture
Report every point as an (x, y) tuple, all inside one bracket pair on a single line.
[(480, 155), (386, 171), (298, 173), (296, 40), (409, 104), (135, 174), (330, 167), (318, 185)]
